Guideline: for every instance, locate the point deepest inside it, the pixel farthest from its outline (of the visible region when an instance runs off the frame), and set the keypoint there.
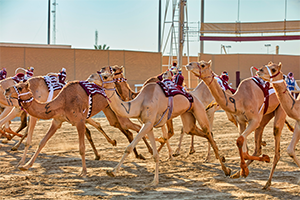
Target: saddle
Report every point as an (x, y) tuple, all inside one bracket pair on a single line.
[(91, 89), (52, 84), (170, 89), (19, 77), (266, 89)]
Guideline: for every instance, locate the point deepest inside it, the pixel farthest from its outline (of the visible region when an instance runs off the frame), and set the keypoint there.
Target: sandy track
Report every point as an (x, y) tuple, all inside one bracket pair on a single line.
[(55, 172)]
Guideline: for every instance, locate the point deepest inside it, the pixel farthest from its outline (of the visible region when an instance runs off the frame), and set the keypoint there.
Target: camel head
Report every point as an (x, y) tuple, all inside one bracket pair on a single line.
[(103, 77), (167, 75), (199, 69), (270, 72), (19, 91)]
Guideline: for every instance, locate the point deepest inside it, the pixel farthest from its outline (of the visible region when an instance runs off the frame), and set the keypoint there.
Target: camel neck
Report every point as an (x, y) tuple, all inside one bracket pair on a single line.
[(38, 109), (225, 100), (287, 101), (125, 92)]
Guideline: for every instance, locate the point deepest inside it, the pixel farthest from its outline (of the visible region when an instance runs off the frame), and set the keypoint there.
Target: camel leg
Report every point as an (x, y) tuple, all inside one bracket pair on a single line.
[(129, 137), (278, 126), (17, 145), (294, 141), (210, 115), (81, 132), (99, 128), (13, 114), (89, 137), (187, 118), (143, 131), (166, 139), (155, 157), (177, 151), (54, 126), (21, 127), (32, 123)]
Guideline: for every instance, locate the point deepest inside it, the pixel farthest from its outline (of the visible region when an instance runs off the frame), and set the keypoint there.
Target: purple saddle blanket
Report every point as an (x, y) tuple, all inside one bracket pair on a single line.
[(171, 89), (52, 83), (92, 88)]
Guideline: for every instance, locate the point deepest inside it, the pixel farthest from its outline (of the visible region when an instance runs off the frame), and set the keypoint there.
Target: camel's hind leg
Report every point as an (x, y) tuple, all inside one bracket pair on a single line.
[(81, 131), (89, 137), (22, 126), (99, 128), (177, 151), (143, 131), (54, 126)]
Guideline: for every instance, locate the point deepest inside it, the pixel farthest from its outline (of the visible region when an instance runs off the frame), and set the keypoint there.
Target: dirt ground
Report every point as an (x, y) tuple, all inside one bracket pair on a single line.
[(55, 172)]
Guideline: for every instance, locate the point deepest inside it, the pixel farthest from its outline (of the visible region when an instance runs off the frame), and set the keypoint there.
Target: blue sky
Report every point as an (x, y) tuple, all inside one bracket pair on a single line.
[(133, 24)]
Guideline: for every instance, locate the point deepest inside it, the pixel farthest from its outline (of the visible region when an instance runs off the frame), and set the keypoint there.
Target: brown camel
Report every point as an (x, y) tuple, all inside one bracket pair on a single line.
[(272, 73), (246, 104), (71, 105), (151, 108), (201, 92)]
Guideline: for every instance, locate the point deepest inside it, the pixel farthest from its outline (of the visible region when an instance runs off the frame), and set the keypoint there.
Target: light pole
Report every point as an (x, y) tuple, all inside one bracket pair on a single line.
[(267, 45)]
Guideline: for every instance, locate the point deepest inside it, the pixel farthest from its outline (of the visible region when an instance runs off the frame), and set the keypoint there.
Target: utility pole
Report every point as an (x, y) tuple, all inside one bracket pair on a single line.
[(159, 26), (49, 11), (182, 4), (201, 23)]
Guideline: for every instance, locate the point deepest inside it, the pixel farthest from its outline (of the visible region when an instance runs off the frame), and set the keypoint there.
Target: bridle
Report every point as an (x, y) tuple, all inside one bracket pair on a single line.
[(20, 100), (273, 76), (200, 72)]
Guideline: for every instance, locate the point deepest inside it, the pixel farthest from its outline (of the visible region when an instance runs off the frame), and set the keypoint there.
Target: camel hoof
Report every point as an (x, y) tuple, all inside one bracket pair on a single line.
[(153, 183), (244, 172), (176, 154), (223, 159), (267, 186), (228, 172), (206, 160), (192, 151), (266, 158), (114, 143), (236, 175), (97, 157), (22, 168), (264, 143), (82, 174), (140, 156), (110, 173), (14, 148), (5, 141)]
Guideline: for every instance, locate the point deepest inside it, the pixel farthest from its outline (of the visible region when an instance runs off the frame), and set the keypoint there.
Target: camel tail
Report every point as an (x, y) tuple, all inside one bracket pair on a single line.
[(289, 126)]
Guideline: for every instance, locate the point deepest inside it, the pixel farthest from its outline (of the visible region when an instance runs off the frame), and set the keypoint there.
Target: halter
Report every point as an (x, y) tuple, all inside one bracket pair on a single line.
[(200, 72), (273, 76), (20, 100), (103, 82)]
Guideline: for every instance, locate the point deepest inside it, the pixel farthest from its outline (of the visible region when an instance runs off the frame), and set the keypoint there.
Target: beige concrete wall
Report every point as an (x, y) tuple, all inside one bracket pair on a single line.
[(80, 63)]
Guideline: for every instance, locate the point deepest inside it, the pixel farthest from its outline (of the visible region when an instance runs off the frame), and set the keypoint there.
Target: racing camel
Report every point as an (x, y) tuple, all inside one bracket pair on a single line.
[(247, 104), (72, 104), (272, 73), (152, 108), (201, 91)]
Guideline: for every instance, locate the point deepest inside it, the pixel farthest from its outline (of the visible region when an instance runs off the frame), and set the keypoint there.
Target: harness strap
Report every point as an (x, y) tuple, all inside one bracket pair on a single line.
[(169, 108), (265, 92)]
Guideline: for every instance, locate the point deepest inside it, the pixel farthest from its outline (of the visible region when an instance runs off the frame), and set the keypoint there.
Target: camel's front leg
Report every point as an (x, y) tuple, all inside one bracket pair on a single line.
[(177, 151), (166, 140), (54, 126), (294, 141), (81, 131), (32, 123), (143, 131)]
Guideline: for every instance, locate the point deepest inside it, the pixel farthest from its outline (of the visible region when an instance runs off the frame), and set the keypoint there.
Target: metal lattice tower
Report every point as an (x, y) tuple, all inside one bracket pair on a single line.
[(54, 4)]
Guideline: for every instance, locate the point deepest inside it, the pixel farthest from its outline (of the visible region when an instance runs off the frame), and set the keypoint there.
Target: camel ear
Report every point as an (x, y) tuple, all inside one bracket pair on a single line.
[(270, 63), (279, 66), (209, 62)]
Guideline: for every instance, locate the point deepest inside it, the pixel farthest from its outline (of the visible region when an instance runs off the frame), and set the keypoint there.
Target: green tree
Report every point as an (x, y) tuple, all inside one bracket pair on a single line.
[(101, 47)]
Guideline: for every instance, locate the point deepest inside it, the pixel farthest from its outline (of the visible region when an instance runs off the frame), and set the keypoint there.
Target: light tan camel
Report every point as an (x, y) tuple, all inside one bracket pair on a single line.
[(8, 106), (71, 105), (151, 108), (272, 73), (246, 104), (201, 92)]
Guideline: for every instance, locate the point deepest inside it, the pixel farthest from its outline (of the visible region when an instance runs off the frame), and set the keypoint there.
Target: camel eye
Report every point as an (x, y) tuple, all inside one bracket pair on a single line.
[(202, 66), (273, 70), (114, 70)]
